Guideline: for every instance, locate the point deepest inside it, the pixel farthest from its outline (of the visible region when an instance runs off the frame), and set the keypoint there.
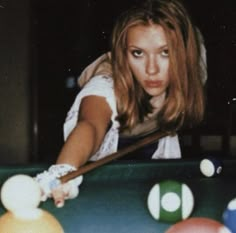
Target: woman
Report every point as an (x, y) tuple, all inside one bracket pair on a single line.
[(151, 80)]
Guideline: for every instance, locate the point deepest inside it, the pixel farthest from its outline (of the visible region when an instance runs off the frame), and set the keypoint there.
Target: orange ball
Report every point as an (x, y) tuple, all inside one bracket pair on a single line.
[(44, 223), (198, 225)]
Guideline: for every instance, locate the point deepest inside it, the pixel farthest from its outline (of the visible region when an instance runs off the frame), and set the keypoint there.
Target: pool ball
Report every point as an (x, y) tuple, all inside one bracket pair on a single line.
[(20, 192), (198, 225), (20, 195), (170, 201), (229, 216), (211, 166)]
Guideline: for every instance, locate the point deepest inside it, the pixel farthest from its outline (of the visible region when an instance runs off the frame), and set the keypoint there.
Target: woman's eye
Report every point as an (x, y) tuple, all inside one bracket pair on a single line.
[(165, 53), (137, 53)]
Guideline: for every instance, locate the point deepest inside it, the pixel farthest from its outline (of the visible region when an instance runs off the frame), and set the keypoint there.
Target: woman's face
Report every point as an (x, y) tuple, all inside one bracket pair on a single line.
[(148, 57)]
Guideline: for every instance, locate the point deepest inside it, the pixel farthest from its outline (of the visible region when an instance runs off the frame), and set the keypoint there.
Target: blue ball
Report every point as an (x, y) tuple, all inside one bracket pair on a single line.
[(229, 216), (211, 166)]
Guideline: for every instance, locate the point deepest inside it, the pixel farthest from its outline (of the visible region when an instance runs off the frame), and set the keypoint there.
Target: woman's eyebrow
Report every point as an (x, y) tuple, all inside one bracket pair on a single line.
[(131, 46)]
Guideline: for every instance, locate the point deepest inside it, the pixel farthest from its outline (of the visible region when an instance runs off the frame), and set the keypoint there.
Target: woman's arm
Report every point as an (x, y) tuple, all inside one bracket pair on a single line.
[(87, 136)]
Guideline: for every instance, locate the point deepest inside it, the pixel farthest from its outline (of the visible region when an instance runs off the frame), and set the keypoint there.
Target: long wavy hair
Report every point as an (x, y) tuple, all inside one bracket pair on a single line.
[(184, 103)]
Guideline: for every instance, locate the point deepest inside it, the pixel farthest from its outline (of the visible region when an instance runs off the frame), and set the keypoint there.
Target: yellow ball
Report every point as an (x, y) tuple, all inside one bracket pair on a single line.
[(44, 223)]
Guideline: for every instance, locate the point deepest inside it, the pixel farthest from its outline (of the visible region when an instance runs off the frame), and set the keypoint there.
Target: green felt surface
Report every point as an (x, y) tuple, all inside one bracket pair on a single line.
[(113, 198)]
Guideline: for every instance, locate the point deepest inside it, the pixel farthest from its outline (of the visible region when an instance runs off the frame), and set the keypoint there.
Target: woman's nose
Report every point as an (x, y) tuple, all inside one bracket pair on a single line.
[(152, 66)]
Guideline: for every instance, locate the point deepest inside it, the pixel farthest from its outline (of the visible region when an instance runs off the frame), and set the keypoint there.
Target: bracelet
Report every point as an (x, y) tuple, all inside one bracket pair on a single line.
[(49, 179)]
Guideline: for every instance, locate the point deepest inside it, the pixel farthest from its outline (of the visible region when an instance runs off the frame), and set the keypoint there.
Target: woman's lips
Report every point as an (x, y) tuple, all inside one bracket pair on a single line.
[(152, 84)]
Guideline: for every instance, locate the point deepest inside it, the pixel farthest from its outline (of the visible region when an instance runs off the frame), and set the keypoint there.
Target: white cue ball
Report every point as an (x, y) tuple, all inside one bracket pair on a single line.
[(211, 166), (20, 192)]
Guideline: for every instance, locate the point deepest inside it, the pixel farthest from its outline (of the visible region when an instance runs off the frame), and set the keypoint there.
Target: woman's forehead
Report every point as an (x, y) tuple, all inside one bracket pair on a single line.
[(146, 36)]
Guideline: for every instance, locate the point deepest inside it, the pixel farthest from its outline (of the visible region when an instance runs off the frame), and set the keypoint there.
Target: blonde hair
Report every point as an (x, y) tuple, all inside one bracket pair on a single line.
[(184, 103)]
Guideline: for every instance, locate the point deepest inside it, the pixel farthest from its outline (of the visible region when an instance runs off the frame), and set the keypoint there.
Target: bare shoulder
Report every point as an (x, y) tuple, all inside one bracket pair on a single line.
[(95, 108)]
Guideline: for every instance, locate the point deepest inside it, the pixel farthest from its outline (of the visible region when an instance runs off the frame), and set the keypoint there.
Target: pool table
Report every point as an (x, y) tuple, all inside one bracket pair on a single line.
[(113, 197)]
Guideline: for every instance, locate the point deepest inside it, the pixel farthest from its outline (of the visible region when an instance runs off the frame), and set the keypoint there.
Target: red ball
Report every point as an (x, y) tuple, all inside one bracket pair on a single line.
[(198, 225)]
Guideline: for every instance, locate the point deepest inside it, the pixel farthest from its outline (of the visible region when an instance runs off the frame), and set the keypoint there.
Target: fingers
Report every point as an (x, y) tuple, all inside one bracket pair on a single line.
[(59, 196), (78, 180), (63, 192)]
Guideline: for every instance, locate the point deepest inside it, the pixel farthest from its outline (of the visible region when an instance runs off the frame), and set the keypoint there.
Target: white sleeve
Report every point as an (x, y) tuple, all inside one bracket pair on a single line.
[(168, 148), (98, 86)]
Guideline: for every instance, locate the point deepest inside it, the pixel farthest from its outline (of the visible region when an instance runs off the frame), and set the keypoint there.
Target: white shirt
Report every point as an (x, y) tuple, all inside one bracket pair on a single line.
[(168, 147)]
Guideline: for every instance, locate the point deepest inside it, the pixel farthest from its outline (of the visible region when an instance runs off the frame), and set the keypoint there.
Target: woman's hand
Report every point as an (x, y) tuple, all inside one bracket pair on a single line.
[(66, 191), (50, 184)]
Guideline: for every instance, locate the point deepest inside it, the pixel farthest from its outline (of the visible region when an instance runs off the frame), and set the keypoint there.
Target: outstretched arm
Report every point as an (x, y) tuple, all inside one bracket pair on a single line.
[(84, 140), (87, 136)]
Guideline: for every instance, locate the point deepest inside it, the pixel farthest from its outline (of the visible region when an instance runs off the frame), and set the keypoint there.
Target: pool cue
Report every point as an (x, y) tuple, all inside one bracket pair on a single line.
[(90, 166)]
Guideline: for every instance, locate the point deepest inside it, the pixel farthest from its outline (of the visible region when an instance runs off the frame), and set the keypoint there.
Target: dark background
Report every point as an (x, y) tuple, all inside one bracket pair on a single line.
[(63, 37)]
